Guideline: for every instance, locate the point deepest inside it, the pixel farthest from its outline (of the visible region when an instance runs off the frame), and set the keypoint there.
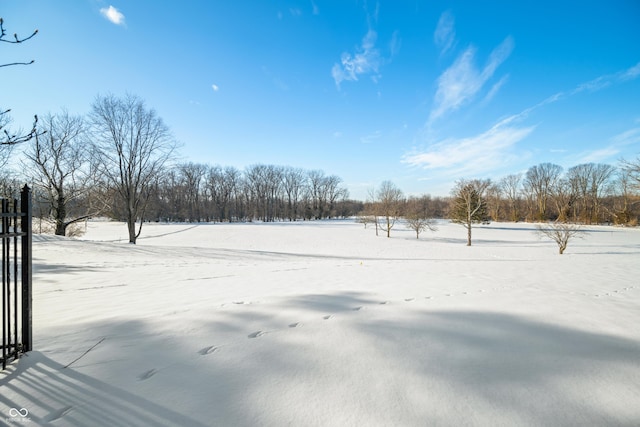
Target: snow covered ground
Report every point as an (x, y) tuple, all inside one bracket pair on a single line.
[(325, 324)]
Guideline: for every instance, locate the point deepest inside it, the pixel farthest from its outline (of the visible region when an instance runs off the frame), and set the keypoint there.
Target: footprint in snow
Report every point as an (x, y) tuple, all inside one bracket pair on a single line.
[(295, 325), (146, 375), (358, 308), (256, 334), (208, 350), (327, 317), (409, 299), (384, 302)]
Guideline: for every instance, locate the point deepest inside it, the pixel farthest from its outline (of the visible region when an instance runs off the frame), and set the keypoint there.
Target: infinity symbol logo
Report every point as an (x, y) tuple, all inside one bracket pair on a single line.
[(22, 412)]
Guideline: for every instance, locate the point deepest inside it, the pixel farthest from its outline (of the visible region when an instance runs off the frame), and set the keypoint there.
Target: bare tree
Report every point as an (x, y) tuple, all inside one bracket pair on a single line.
[(223, 187), (62, 170), (192, 176), (493, 197), (621, 209), (538, 181), (133, 145), (10, 138), (389, 205), (293, 180), (590, 181), (468, 205), (564, 196), (561, 233), (511, 186), (418, 215), (316, 181), (263, 184), (633, 169)]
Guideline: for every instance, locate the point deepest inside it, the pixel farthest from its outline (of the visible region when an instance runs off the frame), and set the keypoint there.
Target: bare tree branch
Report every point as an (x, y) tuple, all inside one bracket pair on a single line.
[(561, 233)]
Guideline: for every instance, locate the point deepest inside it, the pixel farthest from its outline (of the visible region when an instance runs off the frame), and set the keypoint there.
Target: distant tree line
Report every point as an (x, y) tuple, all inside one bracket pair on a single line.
[(589, 193), (119, 161), (198, 192)]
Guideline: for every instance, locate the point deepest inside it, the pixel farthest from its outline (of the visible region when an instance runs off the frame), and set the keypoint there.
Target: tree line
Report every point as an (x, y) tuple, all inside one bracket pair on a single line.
[(589, 193), (118, 161)]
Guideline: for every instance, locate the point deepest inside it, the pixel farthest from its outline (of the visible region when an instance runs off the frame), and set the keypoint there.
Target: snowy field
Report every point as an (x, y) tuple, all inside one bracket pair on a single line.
[(325, 324)]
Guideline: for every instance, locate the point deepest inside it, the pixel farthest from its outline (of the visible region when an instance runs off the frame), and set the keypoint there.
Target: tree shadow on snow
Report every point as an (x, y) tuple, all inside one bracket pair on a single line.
[(382, 365), (52, 393)]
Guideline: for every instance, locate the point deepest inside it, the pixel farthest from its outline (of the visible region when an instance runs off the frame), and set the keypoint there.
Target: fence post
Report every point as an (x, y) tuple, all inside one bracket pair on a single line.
[(27, 306)]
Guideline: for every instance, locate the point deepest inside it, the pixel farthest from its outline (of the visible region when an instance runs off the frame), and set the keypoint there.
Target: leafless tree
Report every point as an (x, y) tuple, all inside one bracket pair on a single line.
[(563, 196), (10, 138), (263, 184), (223, 187), (468, 205), (293, 185), (418, 215), (316, 180), (389, 205), (494, 201), (511, 187), (538, 182), (561, 233), (192, 176), (133, 145), (633, 169), (590, 181), (623, 201), (62, 169)]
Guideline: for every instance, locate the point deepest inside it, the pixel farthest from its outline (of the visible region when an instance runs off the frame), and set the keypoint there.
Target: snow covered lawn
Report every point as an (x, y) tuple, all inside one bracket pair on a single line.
[(325, 324)]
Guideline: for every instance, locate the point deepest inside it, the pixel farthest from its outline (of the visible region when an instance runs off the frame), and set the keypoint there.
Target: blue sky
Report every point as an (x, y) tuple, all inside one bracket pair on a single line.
[(421, 93)]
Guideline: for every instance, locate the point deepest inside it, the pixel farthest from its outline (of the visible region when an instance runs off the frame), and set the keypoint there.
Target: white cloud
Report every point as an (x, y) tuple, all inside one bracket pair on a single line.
[(472, 155), (495, 88), (602, 82), (394, 44), (445, 35), (215, 87), (615, 146), (463, 80), (113, 15), (295, 11), (631, 73), (366, 60), (315, 9)]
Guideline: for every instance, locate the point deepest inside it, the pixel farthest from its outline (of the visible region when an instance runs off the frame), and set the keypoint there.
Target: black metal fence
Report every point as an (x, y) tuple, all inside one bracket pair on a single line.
[(16, 277)]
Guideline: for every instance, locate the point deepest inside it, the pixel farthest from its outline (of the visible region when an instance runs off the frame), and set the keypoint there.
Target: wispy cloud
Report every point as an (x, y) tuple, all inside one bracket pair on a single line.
[(366, 60), (631, 73), (471, 155), (445, 35), (495, 88), (314, 8), (614, 146), (215, 87), (463, 80), (113, 15), (605, 81), (484, 152), (395, 43)]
